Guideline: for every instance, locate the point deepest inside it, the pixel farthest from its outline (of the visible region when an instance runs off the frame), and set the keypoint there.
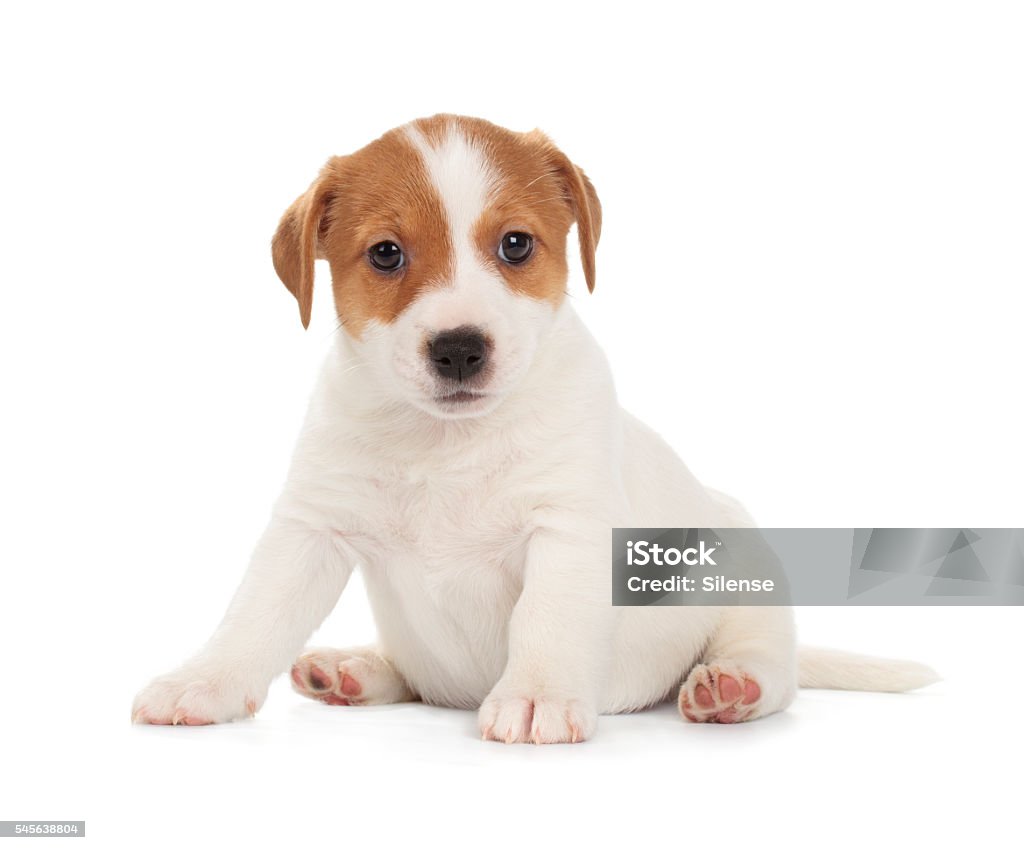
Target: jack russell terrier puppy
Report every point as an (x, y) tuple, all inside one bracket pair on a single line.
[(465, 448)]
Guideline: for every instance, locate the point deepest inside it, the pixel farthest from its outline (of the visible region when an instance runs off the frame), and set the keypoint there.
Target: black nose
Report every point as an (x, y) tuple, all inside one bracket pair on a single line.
[(459, 354)]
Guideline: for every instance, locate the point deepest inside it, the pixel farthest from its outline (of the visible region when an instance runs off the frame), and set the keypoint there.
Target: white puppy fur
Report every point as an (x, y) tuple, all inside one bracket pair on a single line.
[(483, 533)]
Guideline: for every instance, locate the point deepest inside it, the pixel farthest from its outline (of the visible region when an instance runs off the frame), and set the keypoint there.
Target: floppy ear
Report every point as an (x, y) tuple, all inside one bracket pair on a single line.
[(297, 242), (588, 220), (585, 207)]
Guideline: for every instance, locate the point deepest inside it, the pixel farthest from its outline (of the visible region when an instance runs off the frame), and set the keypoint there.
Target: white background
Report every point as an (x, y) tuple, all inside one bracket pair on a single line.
[(810, 281)]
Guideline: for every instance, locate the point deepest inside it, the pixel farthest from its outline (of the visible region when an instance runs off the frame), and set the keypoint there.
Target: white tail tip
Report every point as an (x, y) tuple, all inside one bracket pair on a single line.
[(830, 668)]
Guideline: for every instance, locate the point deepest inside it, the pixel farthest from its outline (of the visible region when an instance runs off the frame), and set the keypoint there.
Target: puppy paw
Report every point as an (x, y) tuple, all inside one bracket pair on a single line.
[(719, 693), (338, 677), (196, 697), (536, 719)]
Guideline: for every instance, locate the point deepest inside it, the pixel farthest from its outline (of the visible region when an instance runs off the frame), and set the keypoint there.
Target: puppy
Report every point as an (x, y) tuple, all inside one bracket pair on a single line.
[(465, 448)]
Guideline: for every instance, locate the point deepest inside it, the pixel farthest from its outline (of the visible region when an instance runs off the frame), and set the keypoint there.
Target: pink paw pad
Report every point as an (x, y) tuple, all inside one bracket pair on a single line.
[(328, 685), (319, 679), (710, 695)]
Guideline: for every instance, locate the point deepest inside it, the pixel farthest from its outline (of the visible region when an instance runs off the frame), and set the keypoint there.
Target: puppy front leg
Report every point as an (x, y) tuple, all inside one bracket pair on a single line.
[(559, 640), (293, 581)]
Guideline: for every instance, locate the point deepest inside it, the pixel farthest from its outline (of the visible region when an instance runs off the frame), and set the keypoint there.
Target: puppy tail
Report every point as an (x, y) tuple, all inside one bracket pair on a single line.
[(830, 668)]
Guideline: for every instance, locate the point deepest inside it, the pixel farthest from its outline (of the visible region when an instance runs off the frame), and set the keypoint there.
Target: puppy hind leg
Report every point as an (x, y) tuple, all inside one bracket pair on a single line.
[(357, 676), (748, 670)]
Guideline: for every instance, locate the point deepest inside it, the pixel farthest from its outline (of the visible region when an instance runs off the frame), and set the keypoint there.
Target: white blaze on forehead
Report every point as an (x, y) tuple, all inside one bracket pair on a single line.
[(464, 181)]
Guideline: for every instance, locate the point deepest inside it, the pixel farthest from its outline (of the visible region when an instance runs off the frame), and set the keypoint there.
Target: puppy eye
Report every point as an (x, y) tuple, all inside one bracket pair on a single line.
[(515, 247), (386, 256)]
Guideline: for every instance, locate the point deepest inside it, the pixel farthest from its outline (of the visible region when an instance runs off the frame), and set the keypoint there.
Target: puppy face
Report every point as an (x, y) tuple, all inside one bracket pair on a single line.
[(446, 243)]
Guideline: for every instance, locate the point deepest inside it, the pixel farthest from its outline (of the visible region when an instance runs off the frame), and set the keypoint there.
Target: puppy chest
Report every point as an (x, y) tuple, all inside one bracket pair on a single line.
[(443, 585), (446, 525)]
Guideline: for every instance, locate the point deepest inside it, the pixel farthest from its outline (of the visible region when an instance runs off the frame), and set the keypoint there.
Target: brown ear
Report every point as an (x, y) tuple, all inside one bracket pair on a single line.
[(588, 223), (297, 242), (585, 207)]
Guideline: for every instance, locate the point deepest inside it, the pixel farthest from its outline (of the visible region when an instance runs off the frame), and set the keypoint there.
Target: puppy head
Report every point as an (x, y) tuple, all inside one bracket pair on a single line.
[(446, 244)]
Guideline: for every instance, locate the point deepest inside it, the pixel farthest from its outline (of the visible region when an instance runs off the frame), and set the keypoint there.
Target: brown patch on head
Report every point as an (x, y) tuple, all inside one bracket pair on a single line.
[(541, 193), (383, 192), (380, 193)]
